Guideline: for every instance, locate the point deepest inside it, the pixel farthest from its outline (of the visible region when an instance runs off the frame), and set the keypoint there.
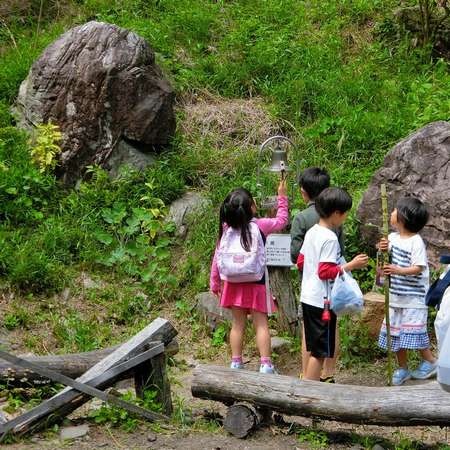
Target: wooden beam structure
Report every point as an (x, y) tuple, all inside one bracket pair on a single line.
[(71, 365), (422, 404), (59, 406), (110, 374)]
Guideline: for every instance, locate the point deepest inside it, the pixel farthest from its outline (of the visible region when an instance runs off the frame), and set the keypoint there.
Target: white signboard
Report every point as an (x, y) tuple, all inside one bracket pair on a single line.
[(278, 250)]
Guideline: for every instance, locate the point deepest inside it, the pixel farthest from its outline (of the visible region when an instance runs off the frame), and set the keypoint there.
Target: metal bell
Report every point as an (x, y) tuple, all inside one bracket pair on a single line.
[(279, 159)]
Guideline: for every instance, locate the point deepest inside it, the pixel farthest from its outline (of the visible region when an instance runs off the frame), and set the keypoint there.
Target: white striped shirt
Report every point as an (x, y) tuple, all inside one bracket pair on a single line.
[(408, 291)]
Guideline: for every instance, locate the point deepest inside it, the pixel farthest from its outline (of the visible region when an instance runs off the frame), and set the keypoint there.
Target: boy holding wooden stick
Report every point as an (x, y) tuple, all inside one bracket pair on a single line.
[(409, 279)]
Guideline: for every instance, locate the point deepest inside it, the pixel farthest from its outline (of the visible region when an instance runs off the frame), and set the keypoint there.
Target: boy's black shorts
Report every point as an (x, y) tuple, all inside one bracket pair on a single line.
[(320, 336)]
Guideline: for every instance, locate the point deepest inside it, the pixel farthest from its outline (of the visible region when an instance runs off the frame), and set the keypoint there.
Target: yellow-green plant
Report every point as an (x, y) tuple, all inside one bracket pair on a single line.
[(45, 146)]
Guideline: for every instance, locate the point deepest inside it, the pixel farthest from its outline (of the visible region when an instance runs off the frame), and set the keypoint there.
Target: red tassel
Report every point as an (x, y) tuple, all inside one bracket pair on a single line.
[(326, 316)]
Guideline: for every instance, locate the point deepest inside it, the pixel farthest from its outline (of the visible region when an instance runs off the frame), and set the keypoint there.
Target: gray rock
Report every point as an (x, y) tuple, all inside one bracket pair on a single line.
[(74, 432), (183, 210), (87, 281), (208, 306), (280, 345), (3, 418), (101, 85), (125, 155), (377, 447), (418, 165)]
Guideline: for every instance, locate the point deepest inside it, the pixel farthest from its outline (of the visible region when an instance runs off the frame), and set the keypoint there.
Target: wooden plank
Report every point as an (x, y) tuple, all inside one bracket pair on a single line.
[(89, 390), (72, 365), (422, 404), (52, 410)]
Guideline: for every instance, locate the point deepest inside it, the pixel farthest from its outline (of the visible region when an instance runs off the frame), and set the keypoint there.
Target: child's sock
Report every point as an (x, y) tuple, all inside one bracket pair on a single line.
[(236, 359), (266, 360)]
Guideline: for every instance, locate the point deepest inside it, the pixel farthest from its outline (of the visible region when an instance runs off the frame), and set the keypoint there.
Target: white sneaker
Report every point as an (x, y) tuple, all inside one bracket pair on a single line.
[(236, 365), (267, 368)]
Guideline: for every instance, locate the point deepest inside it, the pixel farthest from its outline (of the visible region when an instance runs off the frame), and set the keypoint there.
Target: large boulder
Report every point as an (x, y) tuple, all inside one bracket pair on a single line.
[(101, 85), (418, 165)]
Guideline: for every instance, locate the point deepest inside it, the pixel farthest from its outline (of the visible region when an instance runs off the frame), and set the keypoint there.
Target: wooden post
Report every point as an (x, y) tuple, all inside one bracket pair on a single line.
[(153, 374), (384, 208), (282, 290)]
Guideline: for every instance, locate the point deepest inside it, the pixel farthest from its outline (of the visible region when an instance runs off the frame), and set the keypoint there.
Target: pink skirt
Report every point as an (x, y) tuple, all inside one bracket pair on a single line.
[(249, 296)]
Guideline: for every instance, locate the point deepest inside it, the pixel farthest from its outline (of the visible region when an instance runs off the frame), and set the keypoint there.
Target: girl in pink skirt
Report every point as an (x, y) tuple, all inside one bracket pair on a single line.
[(243, 298)]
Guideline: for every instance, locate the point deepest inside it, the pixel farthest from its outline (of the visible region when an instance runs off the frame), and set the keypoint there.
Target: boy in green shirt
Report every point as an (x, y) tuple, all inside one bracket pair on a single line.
[(312, 182)]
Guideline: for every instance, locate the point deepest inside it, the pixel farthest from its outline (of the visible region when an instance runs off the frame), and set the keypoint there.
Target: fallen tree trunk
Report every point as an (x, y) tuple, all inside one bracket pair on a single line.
[(71, 365), (424, 404)]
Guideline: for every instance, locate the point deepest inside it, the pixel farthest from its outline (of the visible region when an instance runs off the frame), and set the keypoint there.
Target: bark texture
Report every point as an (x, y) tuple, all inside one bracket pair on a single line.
[(425, 404)]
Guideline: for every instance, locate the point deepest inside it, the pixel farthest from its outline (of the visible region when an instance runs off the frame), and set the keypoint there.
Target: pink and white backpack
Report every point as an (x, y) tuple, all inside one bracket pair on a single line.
[(235, 264)]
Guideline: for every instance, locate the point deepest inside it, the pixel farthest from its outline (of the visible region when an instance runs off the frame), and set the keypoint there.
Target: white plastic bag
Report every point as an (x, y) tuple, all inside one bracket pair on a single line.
[(346, 296)]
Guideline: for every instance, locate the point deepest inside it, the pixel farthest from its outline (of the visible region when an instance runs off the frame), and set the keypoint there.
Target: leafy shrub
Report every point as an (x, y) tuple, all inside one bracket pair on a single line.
[(24, 191), (45, 146)]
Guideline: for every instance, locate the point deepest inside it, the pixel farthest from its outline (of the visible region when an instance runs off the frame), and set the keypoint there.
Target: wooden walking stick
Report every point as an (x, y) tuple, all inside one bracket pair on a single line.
[(385, 260)]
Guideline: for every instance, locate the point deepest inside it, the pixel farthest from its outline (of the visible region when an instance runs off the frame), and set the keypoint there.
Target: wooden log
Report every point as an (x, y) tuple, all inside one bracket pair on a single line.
[(282, 290), (241, 420), (423, 404), (71, 365), (59, 406)]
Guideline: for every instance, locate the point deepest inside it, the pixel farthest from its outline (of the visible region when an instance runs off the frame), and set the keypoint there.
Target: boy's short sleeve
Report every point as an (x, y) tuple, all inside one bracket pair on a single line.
[(419, 253), (329, 251)]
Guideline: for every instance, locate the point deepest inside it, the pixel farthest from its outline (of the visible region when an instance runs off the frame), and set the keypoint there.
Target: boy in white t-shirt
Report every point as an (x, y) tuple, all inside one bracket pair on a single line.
[(409, 280), (318, 259)]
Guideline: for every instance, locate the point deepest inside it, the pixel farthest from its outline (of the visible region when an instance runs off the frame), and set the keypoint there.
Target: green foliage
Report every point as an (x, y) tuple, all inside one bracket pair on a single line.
[(24, 190), (76, 334), (220, 334), (356, 346), (45, 146), (118, 417), (316, 439)]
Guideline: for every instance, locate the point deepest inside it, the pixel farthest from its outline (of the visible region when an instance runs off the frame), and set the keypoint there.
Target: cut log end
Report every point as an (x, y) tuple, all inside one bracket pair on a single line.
[(240, 420)]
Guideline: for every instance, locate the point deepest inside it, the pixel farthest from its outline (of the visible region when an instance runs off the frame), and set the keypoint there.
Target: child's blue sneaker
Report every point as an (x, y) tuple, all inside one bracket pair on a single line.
[(425, 370), (400, 376), (267, 368), (236, 365)]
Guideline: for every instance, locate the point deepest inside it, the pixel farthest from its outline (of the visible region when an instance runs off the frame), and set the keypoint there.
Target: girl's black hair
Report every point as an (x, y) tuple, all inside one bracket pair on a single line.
[(236, 212), (412, 213), (333, 199)]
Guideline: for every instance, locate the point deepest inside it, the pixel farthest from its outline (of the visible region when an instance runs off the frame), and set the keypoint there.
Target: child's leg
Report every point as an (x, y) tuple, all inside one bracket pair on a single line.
[(305, 353), (237, 331), (261, 324), (314, 368), (402, 358), (427, 355), (329, 365)]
